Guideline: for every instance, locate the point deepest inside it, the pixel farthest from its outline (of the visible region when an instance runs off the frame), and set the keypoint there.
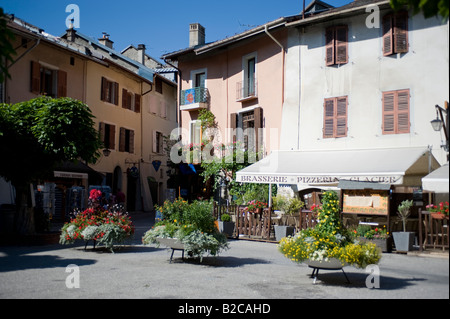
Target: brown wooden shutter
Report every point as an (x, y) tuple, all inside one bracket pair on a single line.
[(122, 140), (116, 93), (101, 132), (388, 47), (341, 116), (35, 83), (137, 103), (328, 118), (329, 45), (233, 125), (62, 83), (259, 123), (131, 142), (125, 99), (104, 89), (341, 44), (403, 111), (388, 113), (401, 32), (112, 137)]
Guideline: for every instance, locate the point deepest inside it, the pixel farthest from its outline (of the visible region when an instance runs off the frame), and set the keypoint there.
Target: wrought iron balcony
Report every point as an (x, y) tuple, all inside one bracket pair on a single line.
[(246, 90), (195, 98)]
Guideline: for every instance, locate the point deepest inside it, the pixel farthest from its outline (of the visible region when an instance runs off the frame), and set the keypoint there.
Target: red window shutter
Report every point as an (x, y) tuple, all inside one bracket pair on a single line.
[(341, 116), (101, 132), (62, 84), (388, 113), (341, 44), (125, 99), (401, 32), (329, 45), (131, 142), (258, 122), (104, 89), (35, 85), (328, 118), (403, 111), (137, 103), (233, 125), (388, 47)]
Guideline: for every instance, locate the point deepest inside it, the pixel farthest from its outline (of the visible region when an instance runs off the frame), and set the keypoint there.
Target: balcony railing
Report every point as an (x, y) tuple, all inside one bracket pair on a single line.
[(246, 90), (194, 98)]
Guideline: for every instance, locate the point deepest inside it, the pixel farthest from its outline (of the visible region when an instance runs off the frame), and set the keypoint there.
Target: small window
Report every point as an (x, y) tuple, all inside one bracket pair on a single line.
[(48, 81), (395, 33), (110, 91), (335, 117), (336, 45), (396, 112), (158, 142)]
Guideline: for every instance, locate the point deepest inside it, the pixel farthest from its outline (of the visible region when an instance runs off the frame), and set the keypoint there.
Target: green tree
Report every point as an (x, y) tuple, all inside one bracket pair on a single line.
[(429, 8), (37, 135)]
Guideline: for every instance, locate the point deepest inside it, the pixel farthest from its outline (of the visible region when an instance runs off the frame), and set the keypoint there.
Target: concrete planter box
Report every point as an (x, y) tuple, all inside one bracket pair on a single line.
[(283, 231), (227, 228)]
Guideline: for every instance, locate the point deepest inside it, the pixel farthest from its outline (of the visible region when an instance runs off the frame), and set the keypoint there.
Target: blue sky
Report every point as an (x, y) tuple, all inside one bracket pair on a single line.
[(163, 26)]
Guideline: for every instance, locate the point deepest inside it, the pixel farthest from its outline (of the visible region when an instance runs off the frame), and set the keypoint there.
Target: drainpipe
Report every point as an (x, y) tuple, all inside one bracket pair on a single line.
[(26, 52), (284, 54)]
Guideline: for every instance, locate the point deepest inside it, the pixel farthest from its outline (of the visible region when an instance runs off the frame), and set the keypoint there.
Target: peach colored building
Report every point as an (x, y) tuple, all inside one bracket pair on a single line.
[(240, 79), (133, 106)]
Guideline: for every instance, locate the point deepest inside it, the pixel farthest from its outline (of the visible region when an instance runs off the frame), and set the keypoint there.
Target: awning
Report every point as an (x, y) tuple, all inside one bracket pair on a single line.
[(437, 181), (395, 166)]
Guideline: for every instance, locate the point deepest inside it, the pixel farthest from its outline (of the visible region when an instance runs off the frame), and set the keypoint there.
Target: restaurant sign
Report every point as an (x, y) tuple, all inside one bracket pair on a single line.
[(317, 179), (70, 175)]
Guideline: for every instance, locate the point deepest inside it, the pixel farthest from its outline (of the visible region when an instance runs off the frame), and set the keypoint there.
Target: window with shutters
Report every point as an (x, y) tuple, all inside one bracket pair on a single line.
[(395, 33), (107, 135), (158, 142), (48, 81), (335, 117), (126, 140), (336, 45), (131, 101), (246, 127), (396, 112), (110, 91)]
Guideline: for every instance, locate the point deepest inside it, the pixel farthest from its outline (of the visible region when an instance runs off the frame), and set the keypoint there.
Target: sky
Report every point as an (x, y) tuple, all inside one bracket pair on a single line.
[(163, 26)]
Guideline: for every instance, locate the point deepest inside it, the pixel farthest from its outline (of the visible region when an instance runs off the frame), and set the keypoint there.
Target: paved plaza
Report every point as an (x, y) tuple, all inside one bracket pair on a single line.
[(248, 270)]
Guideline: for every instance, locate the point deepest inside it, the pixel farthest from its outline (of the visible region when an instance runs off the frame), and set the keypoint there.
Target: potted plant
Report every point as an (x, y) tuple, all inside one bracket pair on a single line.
[(378, 235), (404, 240), (189, 227), (288, 206), (226, 226), (438, 212)]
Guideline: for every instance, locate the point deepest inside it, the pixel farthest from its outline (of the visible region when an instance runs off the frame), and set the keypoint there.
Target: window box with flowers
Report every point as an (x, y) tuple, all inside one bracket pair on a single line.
[(440, 211), (100, 224)]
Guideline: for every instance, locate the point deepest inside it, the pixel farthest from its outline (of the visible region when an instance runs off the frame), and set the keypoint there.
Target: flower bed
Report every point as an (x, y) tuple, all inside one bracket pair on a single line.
[(329, 240), (191, 224), (97, 223)]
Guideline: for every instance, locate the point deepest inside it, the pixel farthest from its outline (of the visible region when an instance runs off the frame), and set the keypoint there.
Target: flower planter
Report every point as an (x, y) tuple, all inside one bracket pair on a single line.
[(385, 244), (172, 243), (330, 264), (283, 231), (403, 241), (227, 228), (438, 216)]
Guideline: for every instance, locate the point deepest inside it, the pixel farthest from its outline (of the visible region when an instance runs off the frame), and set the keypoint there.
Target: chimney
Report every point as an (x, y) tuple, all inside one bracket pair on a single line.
[(106, 41), (196, 34), (71, 34), (141, 53)]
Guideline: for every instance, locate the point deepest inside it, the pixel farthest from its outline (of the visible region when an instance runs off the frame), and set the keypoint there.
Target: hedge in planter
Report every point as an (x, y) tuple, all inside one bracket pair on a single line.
[(191, 224), (104, 226), (329, 240)]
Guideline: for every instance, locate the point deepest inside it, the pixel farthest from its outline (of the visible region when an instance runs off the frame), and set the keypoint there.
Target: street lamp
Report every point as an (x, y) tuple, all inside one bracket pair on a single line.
[(440, 122), (106, 152)]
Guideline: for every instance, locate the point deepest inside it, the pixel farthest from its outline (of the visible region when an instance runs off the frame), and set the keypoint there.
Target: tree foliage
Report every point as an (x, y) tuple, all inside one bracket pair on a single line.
[(429, 8), (40, 133)]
